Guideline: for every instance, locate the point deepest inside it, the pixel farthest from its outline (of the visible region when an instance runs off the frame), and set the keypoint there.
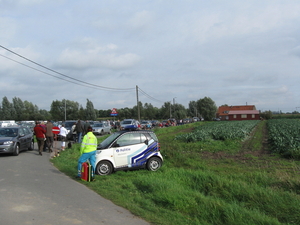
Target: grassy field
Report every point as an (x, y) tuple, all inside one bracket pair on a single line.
[(205, 182)]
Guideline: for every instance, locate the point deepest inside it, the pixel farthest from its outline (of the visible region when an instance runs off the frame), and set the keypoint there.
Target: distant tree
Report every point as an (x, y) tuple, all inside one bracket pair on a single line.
[(149, 111), (207, 108), (57, 110), (90, 111), (180, 112), (7, 109), (81, 113), (166, 110), (19, 107), (266, 115), (192, 109)]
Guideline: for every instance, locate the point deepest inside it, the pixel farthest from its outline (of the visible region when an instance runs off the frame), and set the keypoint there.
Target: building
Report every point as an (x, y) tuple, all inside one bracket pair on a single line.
[(239, 112)]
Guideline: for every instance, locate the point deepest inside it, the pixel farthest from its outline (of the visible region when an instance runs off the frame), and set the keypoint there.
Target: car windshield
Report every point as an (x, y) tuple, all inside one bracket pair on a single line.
[(127, 121), (108, 140), (8, 132), (98, 125)]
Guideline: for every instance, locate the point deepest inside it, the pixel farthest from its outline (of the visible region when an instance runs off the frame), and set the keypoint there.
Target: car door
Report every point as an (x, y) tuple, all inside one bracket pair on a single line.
[(28, 137), (22, 139), (128, 145)]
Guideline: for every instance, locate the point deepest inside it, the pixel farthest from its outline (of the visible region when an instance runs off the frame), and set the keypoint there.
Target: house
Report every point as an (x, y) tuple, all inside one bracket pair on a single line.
[(239, 112)]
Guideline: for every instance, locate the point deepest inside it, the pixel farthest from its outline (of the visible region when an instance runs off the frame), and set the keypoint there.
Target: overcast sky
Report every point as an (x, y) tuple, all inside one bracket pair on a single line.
[(235, 52)]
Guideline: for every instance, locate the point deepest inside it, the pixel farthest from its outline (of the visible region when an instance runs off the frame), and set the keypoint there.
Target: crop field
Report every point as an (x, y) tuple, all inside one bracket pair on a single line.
[(224, 130), (284, 137)]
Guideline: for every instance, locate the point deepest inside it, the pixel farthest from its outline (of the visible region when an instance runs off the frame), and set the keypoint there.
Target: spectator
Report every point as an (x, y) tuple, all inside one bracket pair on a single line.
[(79, 130), (49, 135), (39, 132), (63, 134)]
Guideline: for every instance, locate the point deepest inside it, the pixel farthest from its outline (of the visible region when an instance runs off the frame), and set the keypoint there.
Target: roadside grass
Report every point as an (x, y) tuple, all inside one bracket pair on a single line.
[(209, 182)]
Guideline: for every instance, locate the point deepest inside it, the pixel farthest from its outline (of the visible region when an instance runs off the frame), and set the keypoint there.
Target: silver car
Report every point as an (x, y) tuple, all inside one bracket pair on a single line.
[(15, 139), (101, 128)]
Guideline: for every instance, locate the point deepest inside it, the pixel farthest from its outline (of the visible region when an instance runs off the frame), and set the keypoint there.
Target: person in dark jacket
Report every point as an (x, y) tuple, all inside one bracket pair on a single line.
[(79, 130), (49, 135), (40, 132)]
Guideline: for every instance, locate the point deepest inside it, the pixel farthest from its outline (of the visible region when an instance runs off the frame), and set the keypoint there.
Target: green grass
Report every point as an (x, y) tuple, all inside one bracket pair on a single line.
[(207, 182)]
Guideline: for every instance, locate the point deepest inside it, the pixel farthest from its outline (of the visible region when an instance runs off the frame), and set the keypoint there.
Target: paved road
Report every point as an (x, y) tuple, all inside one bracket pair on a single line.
[(33, 191)]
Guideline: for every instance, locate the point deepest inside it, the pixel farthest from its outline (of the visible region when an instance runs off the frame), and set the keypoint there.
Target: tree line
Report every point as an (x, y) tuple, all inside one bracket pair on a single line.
[(20, 110)]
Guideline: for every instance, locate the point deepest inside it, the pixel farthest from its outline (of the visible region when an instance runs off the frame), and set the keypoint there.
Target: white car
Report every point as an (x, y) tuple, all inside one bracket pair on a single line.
[(127, 150), (101, 128)]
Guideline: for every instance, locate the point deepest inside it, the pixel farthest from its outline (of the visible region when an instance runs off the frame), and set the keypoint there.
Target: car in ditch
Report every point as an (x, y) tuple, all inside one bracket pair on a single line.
[(128, 150), (15, 139)]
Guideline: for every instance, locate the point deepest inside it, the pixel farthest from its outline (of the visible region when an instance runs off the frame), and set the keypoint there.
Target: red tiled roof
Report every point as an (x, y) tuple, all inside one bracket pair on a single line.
[(223, 110)]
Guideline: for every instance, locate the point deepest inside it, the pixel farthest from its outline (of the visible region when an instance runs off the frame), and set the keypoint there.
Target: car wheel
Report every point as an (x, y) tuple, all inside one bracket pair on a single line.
[(104, 168), (31, 146), (102, 132), (154, 164), (17, 150)]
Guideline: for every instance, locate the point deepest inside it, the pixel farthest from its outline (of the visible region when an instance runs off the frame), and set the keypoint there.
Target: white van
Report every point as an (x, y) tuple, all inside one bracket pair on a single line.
[(127, 150)]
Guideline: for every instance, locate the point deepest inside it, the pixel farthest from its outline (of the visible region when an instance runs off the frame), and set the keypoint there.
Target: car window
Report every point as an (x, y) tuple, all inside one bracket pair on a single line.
[(26, 131), (129, 139), (21, 132)]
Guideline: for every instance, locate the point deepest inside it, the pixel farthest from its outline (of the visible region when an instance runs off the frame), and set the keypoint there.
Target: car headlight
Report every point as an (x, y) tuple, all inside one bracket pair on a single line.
[(8, 142)]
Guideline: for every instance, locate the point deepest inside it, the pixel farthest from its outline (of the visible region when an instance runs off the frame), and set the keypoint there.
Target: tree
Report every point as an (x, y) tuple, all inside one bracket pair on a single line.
[(19, 108), (192, 110), (207, 108), (180, 111), (90, 111), (8, 112)]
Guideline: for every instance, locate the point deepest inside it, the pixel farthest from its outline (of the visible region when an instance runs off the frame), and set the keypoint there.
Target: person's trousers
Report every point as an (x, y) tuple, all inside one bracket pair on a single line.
[(40, 142), (91, 156)]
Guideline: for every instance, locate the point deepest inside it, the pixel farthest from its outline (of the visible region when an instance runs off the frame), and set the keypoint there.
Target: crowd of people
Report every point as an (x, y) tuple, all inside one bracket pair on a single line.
[(46, 138)]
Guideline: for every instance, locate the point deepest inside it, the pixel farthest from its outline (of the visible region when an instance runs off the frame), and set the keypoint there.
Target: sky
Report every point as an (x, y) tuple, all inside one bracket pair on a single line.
[(234, 52)]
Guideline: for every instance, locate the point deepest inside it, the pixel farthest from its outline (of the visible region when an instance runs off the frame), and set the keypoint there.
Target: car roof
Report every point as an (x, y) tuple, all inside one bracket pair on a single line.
[(134, 131)]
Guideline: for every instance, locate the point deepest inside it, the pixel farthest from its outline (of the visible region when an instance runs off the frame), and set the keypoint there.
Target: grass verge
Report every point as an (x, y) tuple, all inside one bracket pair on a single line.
[(210, 182)]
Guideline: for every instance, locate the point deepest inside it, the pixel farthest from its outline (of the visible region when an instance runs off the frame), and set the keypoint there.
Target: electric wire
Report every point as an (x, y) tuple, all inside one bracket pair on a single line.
[(71, 78)]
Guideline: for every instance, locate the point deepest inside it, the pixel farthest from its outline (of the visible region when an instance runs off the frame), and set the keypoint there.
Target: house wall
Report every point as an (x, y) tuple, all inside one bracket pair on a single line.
[(243, 117)]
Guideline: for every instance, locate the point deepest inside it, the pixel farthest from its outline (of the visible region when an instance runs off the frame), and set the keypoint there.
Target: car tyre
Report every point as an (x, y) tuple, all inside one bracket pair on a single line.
[(31, 146), (104, 168), (17, 150), (102, 132), (154, 163)]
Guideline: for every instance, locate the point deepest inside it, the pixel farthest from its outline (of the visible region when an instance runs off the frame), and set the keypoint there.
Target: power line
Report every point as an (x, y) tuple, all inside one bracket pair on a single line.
[(61, 78), (154, 99), (71, 78)]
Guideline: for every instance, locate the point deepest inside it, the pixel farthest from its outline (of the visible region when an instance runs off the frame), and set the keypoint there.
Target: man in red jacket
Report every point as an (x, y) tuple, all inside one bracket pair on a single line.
[(40, 132)]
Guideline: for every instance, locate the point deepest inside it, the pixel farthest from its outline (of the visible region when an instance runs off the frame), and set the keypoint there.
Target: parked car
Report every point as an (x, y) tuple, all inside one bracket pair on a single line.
[(15, 139), (130, 124), (127, 150), (101, 128), (146, 124)]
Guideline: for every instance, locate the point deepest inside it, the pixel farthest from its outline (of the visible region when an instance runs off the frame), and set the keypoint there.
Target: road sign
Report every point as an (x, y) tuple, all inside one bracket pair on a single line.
[(55, 130), (114, 112)]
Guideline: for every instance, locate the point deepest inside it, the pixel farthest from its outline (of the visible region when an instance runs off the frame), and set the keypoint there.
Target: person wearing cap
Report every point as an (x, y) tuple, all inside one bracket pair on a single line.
[(39, 132), (88, 151)]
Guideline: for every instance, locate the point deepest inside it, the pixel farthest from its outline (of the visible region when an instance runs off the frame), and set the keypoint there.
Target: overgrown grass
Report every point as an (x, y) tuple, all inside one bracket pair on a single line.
[(192, 188)]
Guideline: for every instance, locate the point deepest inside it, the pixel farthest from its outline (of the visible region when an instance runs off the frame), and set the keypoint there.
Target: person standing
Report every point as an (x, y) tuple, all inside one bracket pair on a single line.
[(49, 135), (39, 132), (88, 151), (86, 125), (79, 130), (63, 135)]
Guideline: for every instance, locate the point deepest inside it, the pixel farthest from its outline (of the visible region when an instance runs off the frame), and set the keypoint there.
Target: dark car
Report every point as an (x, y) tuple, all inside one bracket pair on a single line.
[(15, 139)]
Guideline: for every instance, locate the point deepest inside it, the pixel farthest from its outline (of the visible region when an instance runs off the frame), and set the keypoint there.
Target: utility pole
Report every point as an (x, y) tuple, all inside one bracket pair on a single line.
[(137, 103)]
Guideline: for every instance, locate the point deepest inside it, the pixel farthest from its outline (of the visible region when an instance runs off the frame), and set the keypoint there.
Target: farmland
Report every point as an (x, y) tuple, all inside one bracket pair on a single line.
[(219, 179)]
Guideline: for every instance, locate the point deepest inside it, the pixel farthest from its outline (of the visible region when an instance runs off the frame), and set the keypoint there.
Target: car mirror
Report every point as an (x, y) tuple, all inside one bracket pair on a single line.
[(146, 142)]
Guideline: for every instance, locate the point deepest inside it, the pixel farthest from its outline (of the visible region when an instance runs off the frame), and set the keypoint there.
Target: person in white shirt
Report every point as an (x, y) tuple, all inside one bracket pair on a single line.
[(63, 134)]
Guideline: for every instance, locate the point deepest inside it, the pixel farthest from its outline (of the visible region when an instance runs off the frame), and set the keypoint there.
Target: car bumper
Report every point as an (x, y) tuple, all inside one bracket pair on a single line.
[(6, 149)]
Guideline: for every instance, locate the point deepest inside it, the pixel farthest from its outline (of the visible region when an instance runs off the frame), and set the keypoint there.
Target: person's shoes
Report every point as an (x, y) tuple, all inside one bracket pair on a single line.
[(93, 179), (40, 153)]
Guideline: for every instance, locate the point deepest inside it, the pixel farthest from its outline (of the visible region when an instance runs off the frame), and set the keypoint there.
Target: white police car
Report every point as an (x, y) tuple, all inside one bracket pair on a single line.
[(126, 150)]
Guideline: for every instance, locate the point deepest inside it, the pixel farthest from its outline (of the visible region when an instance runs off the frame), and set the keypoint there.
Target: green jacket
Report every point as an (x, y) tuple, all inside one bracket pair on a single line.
[(89, 143)]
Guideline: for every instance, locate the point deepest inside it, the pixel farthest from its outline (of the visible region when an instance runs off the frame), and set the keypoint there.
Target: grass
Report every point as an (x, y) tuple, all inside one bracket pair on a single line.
[(209, 182)]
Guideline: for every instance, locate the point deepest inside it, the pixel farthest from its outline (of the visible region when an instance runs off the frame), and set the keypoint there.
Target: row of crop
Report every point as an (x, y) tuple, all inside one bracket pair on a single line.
[(284, 137), (223, 130)]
